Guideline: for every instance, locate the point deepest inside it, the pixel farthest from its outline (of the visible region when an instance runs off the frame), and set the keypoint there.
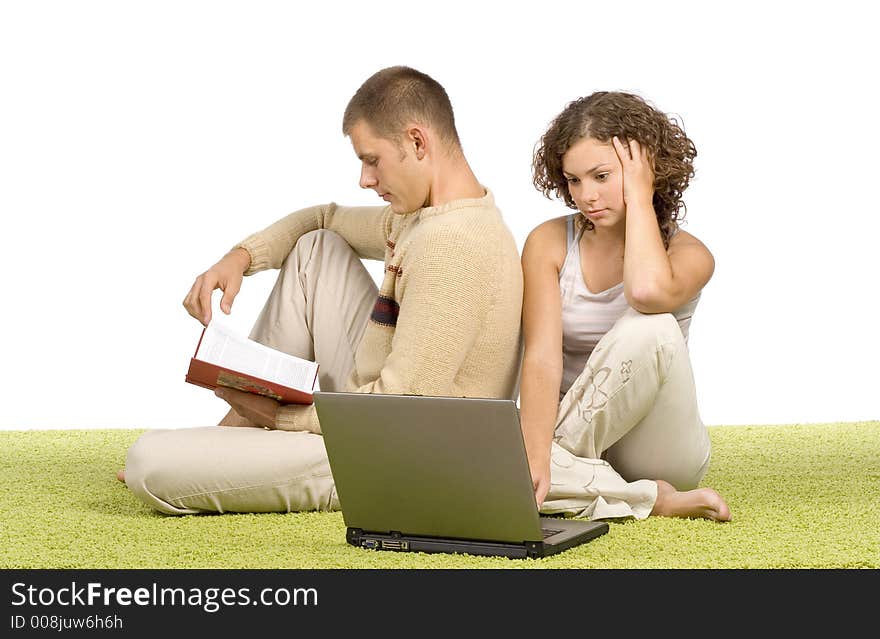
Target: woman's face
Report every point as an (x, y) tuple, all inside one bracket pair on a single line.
[(595, 181)]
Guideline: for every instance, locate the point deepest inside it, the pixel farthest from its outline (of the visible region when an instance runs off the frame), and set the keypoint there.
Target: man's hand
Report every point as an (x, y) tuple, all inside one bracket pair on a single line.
[(540, 470), (257, 409), (226, 275), (638, 172)]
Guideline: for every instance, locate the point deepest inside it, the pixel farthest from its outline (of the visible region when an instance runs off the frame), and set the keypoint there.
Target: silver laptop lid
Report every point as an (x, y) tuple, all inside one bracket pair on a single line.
[(434, 466)]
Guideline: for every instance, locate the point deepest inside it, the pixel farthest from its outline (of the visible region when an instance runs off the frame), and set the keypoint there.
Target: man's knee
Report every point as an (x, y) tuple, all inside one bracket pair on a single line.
[(149, 473), (139, 462), (190, 471), (320, 240), (314, 248)]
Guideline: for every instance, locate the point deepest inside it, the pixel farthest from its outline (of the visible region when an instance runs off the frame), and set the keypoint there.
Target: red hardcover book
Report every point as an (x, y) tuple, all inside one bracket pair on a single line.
[(223, 358)]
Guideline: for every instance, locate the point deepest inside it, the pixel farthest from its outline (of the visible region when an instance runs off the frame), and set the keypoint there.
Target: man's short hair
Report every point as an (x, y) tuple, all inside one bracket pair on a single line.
[(393, 97)]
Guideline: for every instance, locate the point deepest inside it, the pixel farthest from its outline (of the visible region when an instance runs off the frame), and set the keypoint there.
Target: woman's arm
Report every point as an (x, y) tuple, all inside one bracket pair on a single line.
[(656, 280), (542, 258)]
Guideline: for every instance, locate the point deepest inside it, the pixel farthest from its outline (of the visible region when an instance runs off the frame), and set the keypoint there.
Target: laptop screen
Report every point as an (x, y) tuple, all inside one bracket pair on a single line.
[(444, 467)]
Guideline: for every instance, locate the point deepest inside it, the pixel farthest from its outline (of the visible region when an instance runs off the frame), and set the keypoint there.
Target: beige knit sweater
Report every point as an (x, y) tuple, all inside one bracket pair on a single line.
[(447, 318)]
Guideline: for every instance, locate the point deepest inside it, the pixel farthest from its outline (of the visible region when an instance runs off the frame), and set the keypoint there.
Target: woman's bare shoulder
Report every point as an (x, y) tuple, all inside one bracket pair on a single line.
[(683, 239), (547, 241)]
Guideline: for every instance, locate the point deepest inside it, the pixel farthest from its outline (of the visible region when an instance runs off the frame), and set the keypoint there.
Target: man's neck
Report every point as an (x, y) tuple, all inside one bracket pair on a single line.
[(454, 180)]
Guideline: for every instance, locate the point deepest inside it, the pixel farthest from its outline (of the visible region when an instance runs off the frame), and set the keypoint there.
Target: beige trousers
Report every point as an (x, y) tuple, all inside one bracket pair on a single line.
[(631, 417), (318, 309)]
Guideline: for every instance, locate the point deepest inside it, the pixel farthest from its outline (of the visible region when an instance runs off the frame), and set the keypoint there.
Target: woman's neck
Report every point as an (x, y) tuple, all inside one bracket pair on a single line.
[(606, 238)]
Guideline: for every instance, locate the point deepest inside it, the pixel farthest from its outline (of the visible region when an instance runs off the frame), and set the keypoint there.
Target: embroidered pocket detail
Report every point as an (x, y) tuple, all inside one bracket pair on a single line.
[(594, 396), (626, 371)]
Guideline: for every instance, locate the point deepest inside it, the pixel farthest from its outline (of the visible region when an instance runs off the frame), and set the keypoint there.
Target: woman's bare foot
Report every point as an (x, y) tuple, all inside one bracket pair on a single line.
[(703, 503), (120, 475)]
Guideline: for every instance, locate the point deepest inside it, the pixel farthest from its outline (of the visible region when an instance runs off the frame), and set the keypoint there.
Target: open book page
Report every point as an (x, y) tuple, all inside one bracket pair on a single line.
[(223, 347)]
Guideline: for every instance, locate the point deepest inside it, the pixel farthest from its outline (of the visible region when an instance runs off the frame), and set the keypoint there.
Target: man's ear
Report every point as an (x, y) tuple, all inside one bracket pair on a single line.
[(418, 138)]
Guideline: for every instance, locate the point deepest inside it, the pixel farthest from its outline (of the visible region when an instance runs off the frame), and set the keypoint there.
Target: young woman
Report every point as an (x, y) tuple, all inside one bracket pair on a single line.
[(608, 404)]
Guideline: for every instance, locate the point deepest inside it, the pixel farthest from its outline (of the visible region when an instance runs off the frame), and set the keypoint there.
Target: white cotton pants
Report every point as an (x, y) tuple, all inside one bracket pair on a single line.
[(630, 418)]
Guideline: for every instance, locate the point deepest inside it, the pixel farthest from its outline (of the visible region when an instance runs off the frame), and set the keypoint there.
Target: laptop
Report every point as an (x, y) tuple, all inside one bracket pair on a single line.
[(438, 474)]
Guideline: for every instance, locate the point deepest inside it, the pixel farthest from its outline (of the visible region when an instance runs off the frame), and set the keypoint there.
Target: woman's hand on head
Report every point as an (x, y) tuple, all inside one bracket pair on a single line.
[(638, 172)]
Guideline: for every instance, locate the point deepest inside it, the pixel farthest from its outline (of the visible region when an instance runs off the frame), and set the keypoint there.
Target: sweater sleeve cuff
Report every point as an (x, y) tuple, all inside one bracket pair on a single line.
[(258, 250), (296, 417)]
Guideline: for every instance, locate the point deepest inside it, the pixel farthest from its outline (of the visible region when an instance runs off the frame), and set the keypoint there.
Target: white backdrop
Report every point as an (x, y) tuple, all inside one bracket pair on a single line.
[(139, 141)]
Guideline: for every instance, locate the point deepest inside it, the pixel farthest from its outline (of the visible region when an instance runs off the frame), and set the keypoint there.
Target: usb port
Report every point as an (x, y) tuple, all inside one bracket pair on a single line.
[(393, 544)]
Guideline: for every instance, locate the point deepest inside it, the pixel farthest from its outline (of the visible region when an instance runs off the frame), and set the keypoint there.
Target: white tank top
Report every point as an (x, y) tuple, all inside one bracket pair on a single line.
[(587, 316)]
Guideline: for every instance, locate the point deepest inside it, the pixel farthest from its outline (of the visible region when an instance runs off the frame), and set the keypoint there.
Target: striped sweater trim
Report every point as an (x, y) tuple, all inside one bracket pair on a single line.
[(385, 311)]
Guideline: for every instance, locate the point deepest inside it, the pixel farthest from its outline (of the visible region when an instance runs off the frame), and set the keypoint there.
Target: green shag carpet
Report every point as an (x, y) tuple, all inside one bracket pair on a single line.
[(801, 496)]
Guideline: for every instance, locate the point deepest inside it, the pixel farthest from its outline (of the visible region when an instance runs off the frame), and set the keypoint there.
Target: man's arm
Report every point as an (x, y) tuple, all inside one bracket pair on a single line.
[(362, 227)]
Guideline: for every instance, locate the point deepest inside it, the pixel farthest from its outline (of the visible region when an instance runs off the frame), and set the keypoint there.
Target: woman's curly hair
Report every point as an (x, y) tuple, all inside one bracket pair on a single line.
[(603, 115)]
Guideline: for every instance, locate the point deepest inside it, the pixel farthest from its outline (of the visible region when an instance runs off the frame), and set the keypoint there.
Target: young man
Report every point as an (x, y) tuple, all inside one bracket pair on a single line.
[(445, 321)]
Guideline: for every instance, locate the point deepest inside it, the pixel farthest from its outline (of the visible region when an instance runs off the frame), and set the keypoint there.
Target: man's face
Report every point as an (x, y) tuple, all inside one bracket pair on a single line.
[(391, 170)]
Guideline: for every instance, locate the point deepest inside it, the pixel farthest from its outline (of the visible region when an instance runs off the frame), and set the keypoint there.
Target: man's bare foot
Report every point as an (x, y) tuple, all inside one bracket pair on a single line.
[(120, 475), (701, 503)]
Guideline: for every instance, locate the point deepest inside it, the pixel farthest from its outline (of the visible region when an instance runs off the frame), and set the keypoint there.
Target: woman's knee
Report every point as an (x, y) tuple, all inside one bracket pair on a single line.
[(681, 477), (653, 328)]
